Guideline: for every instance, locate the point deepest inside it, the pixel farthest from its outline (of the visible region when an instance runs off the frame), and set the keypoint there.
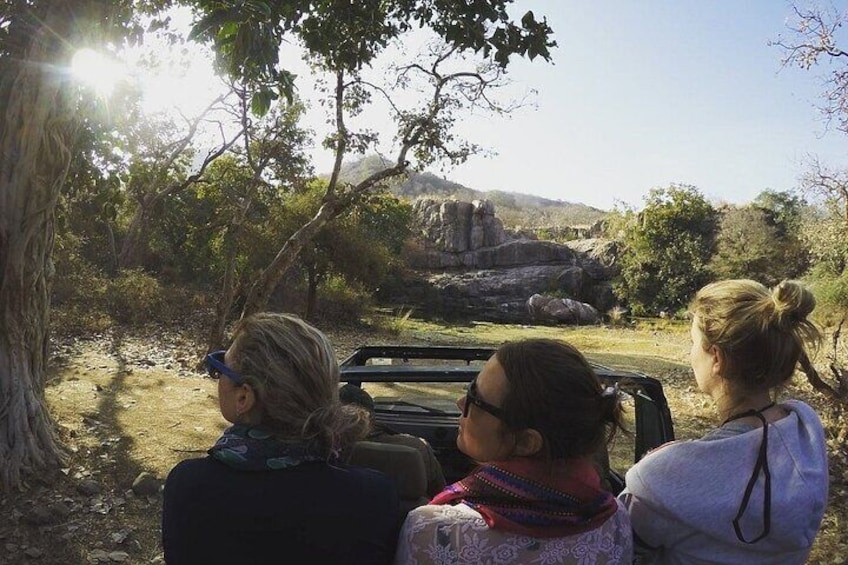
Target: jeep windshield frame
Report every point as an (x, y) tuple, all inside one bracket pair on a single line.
[(407, 365)]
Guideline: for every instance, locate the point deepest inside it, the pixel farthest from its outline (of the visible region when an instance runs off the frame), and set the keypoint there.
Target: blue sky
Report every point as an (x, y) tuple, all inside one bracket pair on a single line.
[(644, 94), (640, 95)]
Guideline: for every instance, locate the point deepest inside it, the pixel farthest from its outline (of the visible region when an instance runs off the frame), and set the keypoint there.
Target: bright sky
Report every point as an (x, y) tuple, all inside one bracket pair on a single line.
[(643, 94), (640, 95)]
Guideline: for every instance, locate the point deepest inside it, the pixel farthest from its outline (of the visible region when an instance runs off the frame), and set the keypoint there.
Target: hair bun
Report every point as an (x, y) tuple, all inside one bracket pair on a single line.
[(792, 303)]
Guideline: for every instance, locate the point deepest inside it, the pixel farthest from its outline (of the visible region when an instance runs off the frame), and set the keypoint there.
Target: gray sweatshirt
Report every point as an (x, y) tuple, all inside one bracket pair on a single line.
[(684, 496)]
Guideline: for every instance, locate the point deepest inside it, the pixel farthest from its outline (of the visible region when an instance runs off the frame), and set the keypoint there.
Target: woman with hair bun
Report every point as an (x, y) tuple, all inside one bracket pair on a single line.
[(272, 489), (754, 489), (533, 418)]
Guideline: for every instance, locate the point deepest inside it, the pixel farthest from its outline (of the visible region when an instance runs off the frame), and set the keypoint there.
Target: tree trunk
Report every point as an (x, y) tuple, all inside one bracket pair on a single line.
[(37, 128), (313, 278), (113, 249), (225, 301), (260, 292), (136, 237)]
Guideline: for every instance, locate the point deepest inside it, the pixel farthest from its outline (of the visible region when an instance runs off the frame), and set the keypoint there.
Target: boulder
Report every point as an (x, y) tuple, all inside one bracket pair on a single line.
[(497, 295), (561, 310), (598, 257), (456, 227), (574, 281)]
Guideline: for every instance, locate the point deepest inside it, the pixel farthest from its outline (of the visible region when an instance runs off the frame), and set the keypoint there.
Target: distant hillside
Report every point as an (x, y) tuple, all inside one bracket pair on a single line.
[(513, 208)]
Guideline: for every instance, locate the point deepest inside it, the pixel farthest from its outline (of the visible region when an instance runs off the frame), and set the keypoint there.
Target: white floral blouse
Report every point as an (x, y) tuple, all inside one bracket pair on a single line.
[(454, 535)]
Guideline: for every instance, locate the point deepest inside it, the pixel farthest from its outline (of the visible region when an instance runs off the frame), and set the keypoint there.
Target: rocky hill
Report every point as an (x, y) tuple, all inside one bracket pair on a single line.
[(516, 210)]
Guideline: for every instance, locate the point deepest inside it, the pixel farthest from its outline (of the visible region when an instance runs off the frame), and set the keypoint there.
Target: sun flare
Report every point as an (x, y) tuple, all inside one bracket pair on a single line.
[(97, 71)]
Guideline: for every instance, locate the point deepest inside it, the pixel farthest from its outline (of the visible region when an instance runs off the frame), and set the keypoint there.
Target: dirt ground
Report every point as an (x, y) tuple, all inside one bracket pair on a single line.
[(137, 403)]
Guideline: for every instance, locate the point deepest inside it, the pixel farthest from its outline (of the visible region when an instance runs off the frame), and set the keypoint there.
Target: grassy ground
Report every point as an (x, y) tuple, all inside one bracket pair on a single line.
[(137, 402)]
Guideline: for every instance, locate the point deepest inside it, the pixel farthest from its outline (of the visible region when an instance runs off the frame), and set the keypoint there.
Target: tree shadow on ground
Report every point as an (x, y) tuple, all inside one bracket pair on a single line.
[(90, 509)]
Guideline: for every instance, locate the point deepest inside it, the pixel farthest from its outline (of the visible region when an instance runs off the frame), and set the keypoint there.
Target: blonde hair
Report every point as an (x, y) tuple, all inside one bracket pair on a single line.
[(292, 369), (760, 332)]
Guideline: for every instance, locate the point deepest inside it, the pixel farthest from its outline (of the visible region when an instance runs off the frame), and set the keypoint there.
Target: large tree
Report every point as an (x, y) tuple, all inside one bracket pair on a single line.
[(761, 240), (341, 40), (40, 128), (817, 36)]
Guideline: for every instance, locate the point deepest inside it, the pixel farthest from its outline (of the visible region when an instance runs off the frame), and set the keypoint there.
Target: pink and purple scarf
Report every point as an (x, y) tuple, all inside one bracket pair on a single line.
[(535, 498)]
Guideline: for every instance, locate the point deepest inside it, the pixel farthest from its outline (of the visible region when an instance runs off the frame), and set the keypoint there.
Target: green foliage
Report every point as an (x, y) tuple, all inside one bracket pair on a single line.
[(78, 288), (342, 300), (134, 297), (348, 36), (400, 321), (666, 250), (831, 291), (786, 210), (361, 247), (759, 243), (826, 236)]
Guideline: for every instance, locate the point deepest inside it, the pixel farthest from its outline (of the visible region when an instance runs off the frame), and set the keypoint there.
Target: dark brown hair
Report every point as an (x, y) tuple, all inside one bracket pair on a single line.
[(554, 390)]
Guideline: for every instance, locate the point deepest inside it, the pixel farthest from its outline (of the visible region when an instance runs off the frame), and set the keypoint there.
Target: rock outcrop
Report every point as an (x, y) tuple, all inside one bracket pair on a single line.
[(456, 227), (468, 266)]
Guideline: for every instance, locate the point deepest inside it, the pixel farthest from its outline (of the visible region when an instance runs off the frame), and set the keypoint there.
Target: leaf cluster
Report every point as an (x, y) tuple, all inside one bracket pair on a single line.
[(340, 35), (667, 247), (760, 243)]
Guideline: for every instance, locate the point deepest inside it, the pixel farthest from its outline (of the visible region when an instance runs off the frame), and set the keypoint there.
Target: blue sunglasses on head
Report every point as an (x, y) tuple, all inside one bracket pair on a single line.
[(216, 367)]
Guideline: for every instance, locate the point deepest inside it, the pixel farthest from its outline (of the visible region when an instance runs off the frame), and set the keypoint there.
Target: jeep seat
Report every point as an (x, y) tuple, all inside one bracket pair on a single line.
[(402, 463)]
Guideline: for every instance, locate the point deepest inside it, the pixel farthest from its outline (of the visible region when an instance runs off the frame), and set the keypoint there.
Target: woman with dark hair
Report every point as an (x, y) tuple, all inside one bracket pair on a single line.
[(754, 489), (272, 489), (533, 418)]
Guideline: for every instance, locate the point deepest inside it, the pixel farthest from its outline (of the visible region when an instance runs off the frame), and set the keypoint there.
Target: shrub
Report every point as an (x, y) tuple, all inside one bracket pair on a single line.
[(78, 290), (134, 297), (617, 316), (78, 319), (666, 249), (76, 281), (340, 300), (831, 293)]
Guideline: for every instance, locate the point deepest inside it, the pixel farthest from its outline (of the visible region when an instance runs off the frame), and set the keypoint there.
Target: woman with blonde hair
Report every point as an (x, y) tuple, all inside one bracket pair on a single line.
[(533, 418), (272, 489), (754, 489)]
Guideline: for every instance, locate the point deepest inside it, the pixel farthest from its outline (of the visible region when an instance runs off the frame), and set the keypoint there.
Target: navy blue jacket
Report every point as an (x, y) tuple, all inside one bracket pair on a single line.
[(312, 513)]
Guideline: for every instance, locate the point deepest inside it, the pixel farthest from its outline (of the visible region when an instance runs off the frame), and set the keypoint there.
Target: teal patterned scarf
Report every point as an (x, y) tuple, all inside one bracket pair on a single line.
[(254, 449)]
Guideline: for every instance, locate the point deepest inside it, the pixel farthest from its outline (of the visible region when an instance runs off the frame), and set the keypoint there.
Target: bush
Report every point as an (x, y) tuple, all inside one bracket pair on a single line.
[(831, 292), (617, 316), (666, 249), (78, 319), (78, 290), (340, 300), (134, 297), (76, 281)]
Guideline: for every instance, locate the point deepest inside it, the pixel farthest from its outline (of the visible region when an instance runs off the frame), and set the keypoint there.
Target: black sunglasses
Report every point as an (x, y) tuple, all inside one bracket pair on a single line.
[(216, 367), (472, 398)]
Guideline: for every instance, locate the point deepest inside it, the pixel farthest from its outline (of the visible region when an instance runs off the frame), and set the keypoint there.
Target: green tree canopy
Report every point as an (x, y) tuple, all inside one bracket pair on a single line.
[(667, 247), (755, 242), (347, 36)]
